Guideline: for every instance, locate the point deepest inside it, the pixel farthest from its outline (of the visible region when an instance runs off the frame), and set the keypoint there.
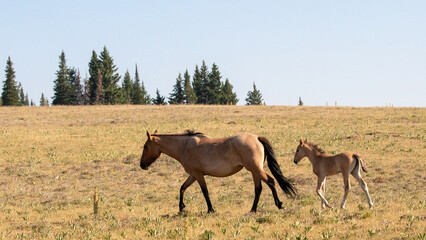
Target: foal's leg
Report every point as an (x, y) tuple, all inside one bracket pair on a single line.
[(363, 185), (321, 180), (190, 180), (323, 192), (347, 188), (200, 179), (257, 191), (271, 184)]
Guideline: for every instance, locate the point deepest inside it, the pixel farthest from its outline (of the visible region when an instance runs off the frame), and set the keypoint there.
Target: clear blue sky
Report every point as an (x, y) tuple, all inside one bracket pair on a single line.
[(358, 53)]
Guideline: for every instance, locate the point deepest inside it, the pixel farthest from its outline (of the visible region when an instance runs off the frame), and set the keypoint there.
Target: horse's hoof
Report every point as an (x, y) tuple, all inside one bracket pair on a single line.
[(210, 211), (280, 205)]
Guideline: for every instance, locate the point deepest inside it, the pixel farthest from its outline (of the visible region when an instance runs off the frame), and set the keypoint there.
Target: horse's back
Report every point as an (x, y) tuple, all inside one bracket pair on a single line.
[(222, 157)]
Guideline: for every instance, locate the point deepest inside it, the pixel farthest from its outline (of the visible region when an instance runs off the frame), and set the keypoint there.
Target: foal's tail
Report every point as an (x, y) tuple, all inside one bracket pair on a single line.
[(285, 183), (359, 160)]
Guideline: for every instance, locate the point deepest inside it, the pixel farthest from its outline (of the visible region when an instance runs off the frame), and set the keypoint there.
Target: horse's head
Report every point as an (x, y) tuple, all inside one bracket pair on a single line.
[(151, 151), (300, 151)]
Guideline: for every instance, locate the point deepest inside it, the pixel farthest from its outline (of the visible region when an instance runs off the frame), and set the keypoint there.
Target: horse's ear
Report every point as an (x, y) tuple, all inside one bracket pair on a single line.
[(155, 132), (155, 139), (149, 136), (301, 141)]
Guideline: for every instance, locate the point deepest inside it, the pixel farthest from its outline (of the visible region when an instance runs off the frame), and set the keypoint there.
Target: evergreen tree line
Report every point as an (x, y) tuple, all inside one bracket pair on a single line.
[(206, 88), (102, 86)]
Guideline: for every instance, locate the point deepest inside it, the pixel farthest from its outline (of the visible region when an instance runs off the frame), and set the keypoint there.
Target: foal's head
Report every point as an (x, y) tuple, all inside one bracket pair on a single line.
[(151, 151), (301, 151), (305, 148)]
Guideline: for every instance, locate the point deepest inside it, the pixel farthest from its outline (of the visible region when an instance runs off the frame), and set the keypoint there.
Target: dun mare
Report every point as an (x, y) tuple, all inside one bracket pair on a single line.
[(201, 155), (324, 165)]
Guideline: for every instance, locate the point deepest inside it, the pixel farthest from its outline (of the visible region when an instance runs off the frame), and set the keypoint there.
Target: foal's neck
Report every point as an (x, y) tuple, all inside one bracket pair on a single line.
[(313, 156)]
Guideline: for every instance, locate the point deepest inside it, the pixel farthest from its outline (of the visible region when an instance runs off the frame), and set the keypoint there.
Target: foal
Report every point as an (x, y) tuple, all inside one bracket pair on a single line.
[(324, 165)]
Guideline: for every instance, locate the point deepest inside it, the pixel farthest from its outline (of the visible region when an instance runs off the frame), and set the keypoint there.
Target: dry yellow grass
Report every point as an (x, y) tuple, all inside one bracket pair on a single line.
[(53, 158)]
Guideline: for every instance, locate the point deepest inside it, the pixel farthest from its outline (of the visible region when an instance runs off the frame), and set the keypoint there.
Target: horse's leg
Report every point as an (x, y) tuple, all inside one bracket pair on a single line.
[(323, 192), (321, 180), (347, 188), (271, 184), (190, 180), (364, 187), (200, 179), (257, 191)]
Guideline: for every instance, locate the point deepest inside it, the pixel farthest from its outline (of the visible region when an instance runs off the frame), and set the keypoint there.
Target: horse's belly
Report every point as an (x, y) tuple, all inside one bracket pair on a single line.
[(223, 171)]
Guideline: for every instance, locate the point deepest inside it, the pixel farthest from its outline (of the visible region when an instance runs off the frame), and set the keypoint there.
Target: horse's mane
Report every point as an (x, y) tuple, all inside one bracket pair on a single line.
[(315, 147), (192, 132), (188, 132)]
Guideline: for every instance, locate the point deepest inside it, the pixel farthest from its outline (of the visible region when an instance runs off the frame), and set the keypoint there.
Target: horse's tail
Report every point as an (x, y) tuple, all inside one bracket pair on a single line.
[(285, 183), (359, 161)]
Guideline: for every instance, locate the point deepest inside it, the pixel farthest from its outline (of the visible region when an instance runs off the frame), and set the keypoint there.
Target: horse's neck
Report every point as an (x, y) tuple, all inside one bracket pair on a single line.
[(172, 146)]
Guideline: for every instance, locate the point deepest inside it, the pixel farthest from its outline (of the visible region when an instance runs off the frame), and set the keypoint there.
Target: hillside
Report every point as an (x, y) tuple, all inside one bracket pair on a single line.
[(53, 158)]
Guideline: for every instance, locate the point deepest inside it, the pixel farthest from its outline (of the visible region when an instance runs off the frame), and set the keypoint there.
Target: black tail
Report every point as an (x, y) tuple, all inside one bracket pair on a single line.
[(359, 161), (285, 183)]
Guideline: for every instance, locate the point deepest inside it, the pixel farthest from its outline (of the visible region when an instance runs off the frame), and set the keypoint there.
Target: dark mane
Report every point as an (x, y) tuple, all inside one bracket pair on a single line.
[(192, 132), (315, 147), (188, 132)]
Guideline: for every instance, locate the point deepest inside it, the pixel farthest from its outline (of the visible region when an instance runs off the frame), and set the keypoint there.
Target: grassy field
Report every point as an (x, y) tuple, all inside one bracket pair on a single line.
[(53, 158)]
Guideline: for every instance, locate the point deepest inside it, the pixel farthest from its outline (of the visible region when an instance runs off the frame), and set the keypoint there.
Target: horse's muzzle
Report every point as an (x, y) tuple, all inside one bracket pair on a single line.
[(144, 167), (296, 162)]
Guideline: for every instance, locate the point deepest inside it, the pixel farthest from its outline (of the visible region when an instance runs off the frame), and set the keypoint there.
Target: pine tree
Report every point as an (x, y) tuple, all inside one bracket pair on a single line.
[(137, 91), (146, 99), (27, 101), (197, 84), (140, 95), (177, 95), (254, 97), (189, 93), (10, 93), (94, 66), (62, 86), (204, 73), (159, 100), (99, 93), (79, 91), (86, 95), (227, 95), (214, 85), (72, 87), (32, 103), (127, 87), (110, 78), (43, 101), (21, 95), (300, 102)]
